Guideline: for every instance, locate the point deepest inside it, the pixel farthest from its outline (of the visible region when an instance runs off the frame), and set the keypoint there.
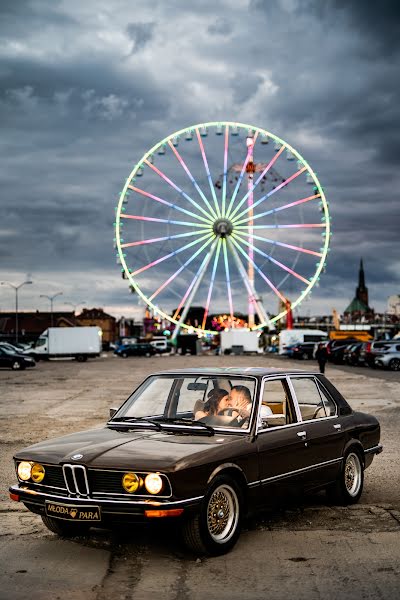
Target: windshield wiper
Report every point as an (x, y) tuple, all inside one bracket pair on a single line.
[(133, 420), (187, 422)]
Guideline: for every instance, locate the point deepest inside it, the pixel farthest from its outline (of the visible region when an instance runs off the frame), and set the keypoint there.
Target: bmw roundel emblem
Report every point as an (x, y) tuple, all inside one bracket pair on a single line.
[(76, 456)]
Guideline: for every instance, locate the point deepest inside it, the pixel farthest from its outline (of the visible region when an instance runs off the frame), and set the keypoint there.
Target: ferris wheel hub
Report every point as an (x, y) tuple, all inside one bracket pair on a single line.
[(222, 227)]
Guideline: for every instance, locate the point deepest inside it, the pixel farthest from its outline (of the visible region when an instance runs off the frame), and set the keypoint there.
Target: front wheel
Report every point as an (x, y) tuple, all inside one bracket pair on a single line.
[(215, 529), (65, 528), (348, 488), (395, 364), (304, 356), (17, 366)]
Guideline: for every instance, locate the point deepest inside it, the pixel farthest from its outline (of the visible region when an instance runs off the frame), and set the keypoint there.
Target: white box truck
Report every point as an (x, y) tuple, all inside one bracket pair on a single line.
[(290, 337), (237, 341), (80, 343)]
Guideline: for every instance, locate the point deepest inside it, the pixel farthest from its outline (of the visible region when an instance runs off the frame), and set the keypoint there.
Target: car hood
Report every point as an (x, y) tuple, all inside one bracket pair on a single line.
[(136, 449)]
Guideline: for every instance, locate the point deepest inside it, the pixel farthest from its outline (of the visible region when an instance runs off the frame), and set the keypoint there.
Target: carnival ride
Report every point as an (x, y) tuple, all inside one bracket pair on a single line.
[(242, 239)]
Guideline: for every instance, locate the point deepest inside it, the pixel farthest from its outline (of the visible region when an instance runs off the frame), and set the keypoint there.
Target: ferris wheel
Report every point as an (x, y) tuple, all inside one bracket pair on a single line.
[(221, 215)]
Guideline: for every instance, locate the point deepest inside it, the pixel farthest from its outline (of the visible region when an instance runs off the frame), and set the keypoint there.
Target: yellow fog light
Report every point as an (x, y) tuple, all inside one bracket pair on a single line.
[(37, 473), (153, 483), (24, 470), (131, 482)]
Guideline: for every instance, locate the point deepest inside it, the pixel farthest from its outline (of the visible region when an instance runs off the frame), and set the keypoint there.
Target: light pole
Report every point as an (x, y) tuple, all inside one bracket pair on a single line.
[(51, 298), (16, 288), (75, 305)]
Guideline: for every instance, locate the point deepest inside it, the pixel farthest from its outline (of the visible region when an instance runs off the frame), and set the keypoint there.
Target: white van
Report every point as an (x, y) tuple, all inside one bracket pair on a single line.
[(289, 337), (160, 344)]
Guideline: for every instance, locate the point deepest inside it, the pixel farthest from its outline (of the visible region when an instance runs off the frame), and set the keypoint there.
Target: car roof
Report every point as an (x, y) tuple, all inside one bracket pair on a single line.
[(241, 371)]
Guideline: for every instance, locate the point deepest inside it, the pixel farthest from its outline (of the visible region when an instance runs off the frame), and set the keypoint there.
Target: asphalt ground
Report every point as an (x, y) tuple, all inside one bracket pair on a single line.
[(310, 550)]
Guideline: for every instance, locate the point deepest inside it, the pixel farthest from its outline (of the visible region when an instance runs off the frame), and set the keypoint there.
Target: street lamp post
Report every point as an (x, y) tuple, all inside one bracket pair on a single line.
[(51, 298), (16, 288)]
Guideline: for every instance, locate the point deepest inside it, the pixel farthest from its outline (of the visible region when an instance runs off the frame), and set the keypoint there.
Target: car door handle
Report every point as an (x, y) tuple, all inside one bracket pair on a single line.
[(302, 434), (337, 426)]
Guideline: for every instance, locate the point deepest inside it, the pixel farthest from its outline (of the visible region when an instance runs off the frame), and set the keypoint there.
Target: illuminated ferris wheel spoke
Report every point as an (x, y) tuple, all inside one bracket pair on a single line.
[(228, 278), (288, 226), (290, 246), (275, 210), (185, 264), (272, 192), (203, 154), (156, 220), (276, 262), (192, 179), (176, 187), (201, 269), (253, 187), (240, 178), (213, 272), (198, 279), (253, 296), (162, 239), (225, 169), (266, 279), (167, 256), (170, 204)]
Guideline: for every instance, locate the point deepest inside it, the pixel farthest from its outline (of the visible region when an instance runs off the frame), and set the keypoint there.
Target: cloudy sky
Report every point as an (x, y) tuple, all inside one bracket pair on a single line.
[(87, 87)]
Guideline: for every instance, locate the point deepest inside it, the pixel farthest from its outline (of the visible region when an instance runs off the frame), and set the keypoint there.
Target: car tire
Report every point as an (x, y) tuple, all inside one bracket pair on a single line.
[(395, 364), (349, 485), (124, 354), (214, 533), (81, 358), (65, 528), (148, 354), (304, 356), (17, 366)]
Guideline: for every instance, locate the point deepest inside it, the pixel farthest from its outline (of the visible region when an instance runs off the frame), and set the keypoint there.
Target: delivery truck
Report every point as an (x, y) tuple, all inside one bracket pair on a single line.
[(290, 337), (239, 341), (80, 343)]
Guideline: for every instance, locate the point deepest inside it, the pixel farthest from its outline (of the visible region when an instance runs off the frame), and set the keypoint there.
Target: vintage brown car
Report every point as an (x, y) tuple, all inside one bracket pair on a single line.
[(204, 446)]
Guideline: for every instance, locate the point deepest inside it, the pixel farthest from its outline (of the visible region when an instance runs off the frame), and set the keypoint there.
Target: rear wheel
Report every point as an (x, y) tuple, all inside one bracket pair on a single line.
[(81, 358), (395, 364), (304, 356), (348, 488), (215, 529), (124, 354), (17, 366), (65, 528)]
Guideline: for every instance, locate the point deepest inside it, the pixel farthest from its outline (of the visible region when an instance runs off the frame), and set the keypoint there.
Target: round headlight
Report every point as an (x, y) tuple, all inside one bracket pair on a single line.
[(131, 482), (153, 483), (24, 470), (37, 473)]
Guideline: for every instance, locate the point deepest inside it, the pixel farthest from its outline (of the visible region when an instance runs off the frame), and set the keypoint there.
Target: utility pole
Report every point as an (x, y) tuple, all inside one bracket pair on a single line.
[(16, 288), (51, 298)]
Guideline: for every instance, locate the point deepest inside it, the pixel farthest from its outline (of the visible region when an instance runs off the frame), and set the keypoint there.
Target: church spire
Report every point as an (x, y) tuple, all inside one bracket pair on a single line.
[(361, 276)]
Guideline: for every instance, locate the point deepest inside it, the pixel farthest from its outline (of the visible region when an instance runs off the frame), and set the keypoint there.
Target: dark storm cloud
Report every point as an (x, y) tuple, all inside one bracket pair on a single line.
[(83, 94), (140, 34)]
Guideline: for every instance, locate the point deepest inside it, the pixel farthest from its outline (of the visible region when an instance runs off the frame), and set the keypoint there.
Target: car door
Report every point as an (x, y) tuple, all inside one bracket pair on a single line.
[(324, 436), (282, 450), (4, 359)]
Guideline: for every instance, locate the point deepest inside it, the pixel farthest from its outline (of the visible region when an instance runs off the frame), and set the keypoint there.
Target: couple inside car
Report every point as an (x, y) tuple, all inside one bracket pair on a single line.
[(236, 404)]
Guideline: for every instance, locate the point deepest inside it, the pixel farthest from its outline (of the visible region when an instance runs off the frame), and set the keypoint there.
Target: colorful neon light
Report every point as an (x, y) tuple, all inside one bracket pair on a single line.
[(228, 278), (192, 179), (161, 239), (203, 154), (156, 220), (276, 262), (225, 169), (214, 270), (195, 278), (275, 210), (290, 246), (263, 173), (299, 225), (239, 181), (170, 204)]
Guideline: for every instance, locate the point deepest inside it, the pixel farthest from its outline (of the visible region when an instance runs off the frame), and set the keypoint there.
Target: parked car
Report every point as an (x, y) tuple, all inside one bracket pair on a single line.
[(153, 460), (389, 357), (351, 354), (14, 360), (137, 349), (337, 354), (304, 351), (371, 349)]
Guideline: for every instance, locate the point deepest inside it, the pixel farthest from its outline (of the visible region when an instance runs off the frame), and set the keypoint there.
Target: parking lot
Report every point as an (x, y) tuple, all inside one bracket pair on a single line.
[(311, 550)]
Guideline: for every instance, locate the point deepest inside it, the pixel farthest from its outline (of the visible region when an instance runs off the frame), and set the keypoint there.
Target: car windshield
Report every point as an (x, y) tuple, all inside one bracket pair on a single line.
[(191, 401)]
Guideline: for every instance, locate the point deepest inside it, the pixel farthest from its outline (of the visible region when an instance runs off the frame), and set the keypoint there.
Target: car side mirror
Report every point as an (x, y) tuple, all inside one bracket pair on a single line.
[(112, 412)]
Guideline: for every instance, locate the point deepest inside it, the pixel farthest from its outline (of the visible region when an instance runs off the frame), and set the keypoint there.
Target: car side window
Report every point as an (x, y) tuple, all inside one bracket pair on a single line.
[(309, 398), (330, 406), (276, 408)]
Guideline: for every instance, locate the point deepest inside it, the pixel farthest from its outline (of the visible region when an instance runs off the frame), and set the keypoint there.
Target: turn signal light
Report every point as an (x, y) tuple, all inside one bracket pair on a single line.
[(14, 497), (173, 512)]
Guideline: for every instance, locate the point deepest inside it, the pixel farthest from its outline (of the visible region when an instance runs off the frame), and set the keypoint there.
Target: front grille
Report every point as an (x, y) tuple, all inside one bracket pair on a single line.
[(76, 480), (54, 477)]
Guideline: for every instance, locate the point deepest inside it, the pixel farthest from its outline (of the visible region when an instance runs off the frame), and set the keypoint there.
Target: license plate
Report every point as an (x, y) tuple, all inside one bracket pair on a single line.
[(71, 512)]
